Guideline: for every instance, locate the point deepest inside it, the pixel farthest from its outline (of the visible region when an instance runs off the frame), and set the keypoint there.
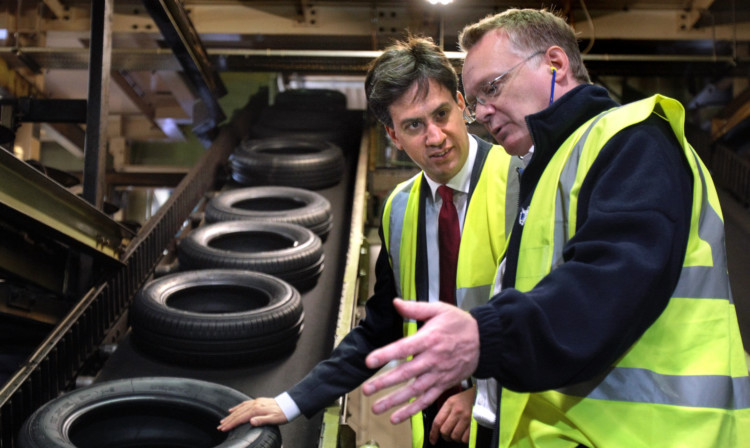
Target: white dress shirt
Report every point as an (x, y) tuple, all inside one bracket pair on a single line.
[(460, 183), (485, 404)]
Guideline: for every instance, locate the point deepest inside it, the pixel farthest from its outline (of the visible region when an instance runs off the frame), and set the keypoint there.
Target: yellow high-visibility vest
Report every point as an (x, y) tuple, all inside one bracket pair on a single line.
[(684, 383), (489, 216)]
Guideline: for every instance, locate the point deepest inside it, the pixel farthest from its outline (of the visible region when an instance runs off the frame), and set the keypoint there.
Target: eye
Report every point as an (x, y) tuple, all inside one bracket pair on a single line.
[(414, 124), (491, 89)]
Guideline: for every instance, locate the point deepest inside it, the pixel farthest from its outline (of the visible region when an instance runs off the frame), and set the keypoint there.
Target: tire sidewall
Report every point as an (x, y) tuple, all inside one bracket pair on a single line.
[(48, 426)]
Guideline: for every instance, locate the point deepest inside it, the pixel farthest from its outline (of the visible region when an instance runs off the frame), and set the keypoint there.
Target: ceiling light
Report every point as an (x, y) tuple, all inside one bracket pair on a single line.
[(440, 2)]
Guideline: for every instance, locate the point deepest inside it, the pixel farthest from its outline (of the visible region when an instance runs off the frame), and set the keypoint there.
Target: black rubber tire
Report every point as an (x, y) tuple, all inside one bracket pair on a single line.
[(272, 204), (325, 125), (288, 251), (291, 162), (216, 317), (311, 100), (139, 412)]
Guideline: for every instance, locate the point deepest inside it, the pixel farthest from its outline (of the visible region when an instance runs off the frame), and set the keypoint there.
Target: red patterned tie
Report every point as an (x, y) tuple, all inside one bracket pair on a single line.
[(449, 239)]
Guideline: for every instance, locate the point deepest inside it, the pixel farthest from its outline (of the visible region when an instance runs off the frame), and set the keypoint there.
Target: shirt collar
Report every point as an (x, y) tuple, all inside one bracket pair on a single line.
[(462, 180), (527, 158)]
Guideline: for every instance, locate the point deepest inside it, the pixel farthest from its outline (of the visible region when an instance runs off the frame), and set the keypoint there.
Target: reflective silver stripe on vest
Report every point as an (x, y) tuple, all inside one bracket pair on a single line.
[(699, 391), (396, 218), (512, 192), (562, 198), (707, 282), (695, 282), (698, 282), (473, 296)]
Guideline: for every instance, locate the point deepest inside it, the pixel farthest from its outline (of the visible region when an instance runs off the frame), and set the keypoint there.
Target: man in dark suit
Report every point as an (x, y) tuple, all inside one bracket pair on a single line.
[(412, 89)]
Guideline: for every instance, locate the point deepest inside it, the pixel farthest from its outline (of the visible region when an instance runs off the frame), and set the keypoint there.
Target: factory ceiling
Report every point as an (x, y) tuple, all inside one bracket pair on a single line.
[(45, 50)]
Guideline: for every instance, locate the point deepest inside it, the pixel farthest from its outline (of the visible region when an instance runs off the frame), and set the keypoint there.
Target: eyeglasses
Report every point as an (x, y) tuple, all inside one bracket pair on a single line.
[(491, 90)]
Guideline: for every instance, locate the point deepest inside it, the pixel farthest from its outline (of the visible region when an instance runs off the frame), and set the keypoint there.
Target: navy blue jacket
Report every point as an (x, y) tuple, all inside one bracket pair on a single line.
[(619, 268)]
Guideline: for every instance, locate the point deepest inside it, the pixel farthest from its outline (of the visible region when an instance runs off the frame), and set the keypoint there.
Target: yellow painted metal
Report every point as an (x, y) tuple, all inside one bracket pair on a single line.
[(335, 415), (35, 197)]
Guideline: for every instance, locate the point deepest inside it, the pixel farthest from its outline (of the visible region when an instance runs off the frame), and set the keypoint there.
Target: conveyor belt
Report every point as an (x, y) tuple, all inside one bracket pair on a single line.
[(321, 309)]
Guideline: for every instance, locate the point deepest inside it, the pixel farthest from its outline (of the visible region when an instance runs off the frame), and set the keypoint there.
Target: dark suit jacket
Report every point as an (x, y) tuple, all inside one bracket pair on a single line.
[(345, 369)]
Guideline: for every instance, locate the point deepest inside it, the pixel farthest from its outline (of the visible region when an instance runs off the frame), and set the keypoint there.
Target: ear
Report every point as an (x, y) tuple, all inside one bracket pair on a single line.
[(556, 57), (461, 101), (392, 134)]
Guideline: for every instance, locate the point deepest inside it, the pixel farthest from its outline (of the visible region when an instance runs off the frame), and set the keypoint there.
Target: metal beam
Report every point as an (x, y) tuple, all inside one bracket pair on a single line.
[(698, 8), (56, 7), (180, 34), (70, 136), (33, 198), (100, 62), (348, 61)]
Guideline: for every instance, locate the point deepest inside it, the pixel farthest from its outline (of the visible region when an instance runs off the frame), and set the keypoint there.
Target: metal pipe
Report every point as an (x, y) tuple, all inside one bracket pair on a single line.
[(72, 58)]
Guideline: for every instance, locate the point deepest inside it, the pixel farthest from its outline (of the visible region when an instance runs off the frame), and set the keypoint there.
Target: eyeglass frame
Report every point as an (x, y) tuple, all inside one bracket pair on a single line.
[(470, 111)]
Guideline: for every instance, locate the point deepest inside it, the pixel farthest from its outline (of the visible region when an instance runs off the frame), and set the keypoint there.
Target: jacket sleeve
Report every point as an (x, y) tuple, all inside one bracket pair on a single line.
[(345, 369), (618, 274)]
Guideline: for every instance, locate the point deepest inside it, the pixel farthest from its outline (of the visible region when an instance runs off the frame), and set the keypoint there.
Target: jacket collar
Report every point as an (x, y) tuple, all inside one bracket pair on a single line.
[(550, 127)]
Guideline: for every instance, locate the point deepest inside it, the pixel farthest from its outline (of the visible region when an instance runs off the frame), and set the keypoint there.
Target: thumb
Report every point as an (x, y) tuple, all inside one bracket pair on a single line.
[(262, 420)]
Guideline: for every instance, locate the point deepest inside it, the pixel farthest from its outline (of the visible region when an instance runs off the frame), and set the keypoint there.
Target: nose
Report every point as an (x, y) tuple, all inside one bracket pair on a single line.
[(435, 135), (484, 111)]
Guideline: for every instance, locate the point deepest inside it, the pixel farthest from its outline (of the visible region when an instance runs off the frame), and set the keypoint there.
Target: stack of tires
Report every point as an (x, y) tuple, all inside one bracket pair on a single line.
[(236, 297), (307, 115)]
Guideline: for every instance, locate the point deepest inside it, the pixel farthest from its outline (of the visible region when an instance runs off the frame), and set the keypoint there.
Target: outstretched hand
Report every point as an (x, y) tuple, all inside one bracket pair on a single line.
[(258, 412), (445, 351)]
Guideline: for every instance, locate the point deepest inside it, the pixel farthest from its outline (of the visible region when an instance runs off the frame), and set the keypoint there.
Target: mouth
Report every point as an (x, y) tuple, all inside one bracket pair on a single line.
[(441, 155), (496, 131)]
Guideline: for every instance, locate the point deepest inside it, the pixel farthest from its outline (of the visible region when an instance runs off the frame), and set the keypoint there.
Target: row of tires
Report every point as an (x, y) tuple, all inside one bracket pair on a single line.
[(273, 233), (235, 299)]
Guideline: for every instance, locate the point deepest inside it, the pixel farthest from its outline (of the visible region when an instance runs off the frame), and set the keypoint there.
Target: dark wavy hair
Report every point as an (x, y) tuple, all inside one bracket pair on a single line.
[(415, 60)]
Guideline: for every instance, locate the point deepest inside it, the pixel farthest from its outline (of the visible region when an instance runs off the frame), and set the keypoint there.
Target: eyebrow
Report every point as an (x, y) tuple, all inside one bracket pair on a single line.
[(432, 112)]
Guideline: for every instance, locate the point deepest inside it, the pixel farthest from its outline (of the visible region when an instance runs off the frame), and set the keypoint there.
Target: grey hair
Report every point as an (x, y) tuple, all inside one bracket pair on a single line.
[(530, 30)]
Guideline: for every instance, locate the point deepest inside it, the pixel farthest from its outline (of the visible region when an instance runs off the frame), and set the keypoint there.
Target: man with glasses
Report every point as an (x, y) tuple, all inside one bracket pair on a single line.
[(612, 323), (412, 89)]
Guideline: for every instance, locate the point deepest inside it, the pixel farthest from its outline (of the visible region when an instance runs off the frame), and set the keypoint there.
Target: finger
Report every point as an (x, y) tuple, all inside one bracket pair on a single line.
[(434, 434), (235, 407), (401, 349), (404, 372), (237, 415), (412, 309), (231, 422), (413, 407), (442, 416), (461, 427), (411, 345), (437, 425), (413, 389), (447, 428), (465, 436)]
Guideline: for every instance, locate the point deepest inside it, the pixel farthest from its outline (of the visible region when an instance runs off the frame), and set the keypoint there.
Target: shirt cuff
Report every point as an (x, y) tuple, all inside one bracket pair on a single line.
[(288, 406)]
